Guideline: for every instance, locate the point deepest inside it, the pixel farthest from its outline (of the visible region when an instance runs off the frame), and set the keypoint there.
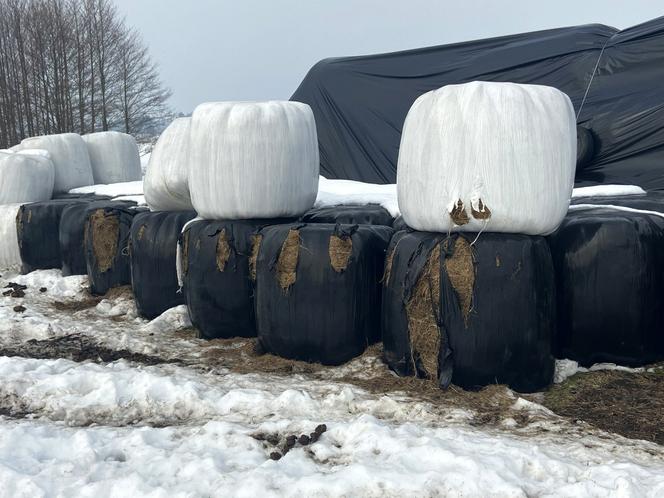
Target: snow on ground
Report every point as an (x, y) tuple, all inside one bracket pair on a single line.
[(348, 192), (112, 190), (194, 428), (607, 191)]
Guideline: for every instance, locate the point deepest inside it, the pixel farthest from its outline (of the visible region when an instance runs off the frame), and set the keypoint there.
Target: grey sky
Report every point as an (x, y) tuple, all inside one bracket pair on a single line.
[(261, 49)]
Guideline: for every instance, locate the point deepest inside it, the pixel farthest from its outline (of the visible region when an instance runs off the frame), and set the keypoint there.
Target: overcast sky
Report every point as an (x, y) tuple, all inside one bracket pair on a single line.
[(212, 50)]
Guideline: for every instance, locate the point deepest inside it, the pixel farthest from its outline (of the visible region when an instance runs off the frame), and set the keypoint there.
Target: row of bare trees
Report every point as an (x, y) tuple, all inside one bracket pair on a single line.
[(73, 65)]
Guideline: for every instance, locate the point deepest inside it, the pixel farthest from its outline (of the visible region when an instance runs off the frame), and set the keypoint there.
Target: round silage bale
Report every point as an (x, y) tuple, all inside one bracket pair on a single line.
[(10, 257), (70, 159), (25, 177), (485, 156), (113, 157), (166, 184), (253, 160)]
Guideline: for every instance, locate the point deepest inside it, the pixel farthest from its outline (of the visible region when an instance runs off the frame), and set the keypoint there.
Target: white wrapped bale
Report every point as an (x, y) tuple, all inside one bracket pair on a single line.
[(487, 156), (25, 177), (253, 160), (10, 257), (166, 184), (70, 158), (113, 156)]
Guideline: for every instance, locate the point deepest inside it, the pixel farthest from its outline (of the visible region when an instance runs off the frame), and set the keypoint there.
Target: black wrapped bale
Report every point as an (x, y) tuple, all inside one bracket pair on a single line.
[(219, 276), (370, 214), (610, 280), (650, 201), (38, 227), (318, 290), (153, 248), (106, 247), (72, 231), (471, 315)]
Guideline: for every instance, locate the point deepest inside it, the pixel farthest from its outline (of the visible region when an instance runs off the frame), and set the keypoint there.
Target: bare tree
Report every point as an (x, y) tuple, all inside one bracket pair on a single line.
[(74, 65)]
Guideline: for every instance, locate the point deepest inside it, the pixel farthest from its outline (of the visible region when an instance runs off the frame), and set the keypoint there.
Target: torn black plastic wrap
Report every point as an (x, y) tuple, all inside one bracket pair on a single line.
[(610, 280), (370, 214), (106, 247), (318, 290), (72, 234), (495, 310), (38, 229), (219, 276), (153, 247)]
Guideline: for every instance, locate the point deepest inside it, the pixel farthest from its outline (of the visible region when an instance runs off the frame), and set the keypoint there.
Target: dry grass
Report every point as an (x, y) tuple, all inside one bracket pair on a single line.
[(460, 270), (627, 403), (287, 262), (256, 240), (105, 236), (458, 214), (422, 324), (340, 250), (482, 213), (223, 250)]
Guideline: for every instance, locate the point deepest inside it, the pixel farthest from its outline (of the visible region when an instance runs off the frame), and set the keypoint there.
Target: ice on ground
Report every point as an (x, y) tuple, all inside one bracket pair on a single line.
[(567, 368), (348, 192), (124, 428), (607, 190)]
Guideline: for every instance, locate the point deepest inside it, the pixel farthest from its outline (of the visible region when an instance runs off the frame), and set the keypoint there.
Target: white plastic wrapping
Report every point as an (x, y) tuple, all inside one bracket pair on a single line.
[(70, 158), (487, 156), (25, 177), (253, 160), (166, 183), (113, 157), (10, 258)]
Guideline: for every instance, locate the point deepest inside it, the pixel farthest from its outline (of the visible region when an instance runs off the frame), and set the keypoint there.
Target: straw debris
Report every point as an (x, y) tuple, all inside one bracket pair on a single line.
[(256, 240), (482, 213), (458, 214), (223, 250), (340, 250), (461, 272), (287, 262), (105, 237), (422, 324)]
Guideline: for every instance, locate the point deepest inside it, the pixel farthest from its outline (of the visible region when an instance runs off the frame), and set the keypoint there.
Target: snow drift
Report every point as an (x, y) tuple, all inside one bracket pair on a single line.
[(70, 158), (166, 179), (25, 177), (253, 160), (487, 156), (113, 157)]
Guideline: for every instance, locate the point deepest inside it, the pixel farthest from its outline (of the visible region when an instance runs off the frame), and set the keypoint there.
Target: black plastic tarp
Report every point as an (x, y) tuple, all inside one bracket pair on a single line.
[(612, 77)]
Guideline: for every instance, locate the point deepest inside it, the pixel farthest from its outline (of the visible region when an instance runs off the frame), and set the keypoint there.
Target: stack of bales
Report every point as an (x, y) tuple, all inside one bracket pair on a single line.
[(485, 169), (252, 164), (154, 234)]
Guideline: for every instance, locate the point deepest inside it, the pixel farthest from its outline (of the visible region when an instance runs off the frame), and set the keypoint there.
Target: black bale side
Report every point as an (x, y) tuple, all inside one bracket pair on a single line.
[(318, 290), (152, 252), (370, 214)]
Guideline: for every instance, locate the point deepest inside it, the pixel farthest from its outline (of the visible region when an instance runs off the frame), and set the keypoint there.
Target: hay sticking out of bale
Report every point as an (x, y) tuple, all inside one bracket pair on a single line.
[(388, 266), (422, 324), (459, 215), (141, 232), (256, 240), (223, 250), (340, 250), (482, 212), (461, 272), (287, 262), (185, 253), (105, 237)]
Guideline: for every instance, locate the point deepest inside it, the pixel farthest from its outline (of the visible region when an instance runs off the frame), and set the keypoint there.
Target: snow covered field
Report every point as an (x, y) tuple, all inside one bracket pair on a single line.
[(97, 402)]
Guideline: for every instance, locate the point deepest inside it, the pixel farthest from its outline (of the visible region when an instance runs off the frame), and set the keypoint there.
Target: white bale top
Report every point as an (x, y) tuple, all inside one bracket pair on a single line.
[(498, 157), (166, 183), (25, 177), (70, 158), (113, 156), (253, 160)]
